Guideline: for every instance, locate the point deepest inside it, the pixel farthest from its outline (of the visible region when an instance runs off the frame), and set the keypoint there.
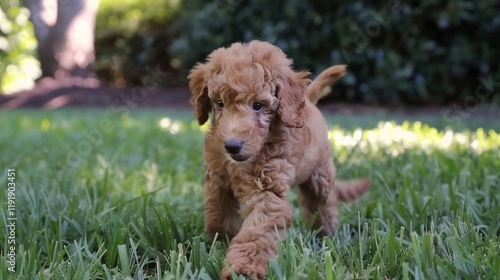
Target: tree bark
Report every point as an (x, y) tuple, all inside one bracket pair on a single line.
[(65, 33)]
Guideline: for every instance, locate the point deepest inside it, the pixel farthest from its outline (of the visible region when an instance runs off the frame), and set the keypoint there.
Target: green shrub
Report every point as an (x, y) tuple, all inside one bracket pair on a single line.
[(18, 65), (421, 53), (132, 37)]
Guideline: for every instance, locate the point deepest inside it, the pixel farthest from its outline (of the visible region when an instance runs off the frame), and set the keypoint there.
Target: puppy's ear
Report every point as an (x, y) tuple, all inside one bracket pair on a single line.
[(291, 90), (198, 86)]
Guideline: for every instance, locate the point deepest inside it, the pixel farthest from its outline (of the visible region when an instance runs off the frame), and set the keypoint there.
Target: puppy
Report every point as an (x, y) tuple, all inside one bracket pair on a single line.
[(266, 136)]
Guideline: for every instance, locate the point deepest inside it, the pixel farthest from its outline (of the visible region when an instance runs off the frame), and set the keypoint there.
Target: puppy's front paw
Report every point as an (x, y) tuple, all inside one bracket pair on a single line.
[(254, 267), (228, 275)]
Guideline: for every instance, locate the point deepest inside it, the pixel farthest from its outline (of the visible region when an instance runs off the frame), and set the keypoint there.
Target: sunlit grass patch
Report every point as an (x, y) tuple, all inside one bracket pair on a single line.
[(394, 139)]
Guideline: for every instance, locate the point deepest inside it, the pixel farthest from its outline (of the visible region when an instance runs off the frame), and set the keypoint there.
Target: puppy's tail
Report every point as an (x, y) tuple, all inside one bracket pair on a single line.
[(351, 189), (320, 87)]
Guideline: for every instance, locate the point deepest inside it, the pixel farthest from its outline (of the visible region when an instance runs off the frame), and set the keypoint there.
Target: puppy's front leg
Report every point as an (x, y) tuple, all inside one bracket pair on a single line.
[(221, 208), (266, 215)]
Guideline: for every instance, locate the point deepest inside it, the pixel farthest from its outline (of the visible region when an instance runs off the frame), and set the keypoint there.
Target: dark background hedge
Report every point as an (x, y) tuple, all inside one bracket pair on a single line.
[(399, 52)]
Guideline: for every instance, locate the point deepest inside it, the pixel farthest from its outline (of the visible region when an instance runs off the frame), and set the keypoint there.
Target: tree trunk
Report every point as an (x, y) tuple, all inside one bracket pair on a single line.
[(65, 34)]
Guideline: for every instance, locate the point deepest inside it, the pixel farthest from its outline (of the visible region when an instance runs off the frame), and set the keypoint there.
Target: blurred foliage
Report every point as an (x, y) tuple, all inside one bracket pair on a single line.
[(18, 65), (419, 52), (132, 39), (399, 52)]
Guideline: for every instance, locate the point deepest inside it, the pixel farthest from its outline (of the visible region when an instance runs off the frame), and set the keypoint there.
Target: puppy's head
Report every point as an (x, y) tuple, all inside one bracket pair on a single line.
[(249, 87)]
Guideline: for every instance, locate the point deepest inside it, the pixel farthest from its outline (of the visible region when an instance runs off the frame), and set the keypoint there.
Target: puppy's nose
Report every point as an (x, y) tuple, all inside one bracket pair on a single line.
[(233, 146)]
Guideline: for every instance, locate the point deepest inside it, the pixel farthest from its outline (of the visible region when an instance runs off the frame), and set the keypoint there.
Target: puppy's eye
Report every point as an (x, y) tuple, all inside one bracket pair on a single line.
[(219, 103), (257, 106)]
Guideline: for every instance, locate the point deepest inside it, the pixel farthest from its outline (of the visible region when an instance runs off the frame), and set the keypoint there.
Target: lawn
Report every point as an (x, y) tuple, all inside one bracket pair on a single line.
[(102, 195)]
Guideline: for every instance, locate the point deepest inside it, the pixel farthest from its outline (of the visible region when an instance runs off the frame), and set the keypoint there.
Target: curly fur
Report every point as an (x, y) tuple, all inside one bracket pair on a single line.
[(284, 144)]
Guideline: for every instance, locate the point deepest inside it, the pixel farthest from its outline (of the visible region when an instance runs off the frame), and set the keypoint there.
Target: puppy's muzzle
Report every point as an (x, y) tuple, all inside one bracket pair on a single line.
[(233, 146)]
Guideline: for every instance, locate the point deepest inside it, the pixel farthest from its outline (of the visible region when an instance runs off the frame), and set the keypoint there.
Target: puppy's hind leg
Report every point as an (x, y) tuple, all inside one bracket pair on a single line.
[(318, 199)]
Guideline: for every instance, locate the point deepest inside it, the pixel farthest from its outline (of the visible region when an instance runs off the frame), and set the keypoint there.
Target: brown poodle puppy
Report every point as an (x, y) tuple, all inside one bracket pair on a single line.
[(266, 136)]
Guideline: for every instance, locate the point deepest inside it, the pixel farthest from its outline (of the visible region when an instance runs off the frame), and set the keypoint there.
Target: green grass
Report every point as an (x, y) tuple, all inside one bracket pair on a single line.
[(129, 204)]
